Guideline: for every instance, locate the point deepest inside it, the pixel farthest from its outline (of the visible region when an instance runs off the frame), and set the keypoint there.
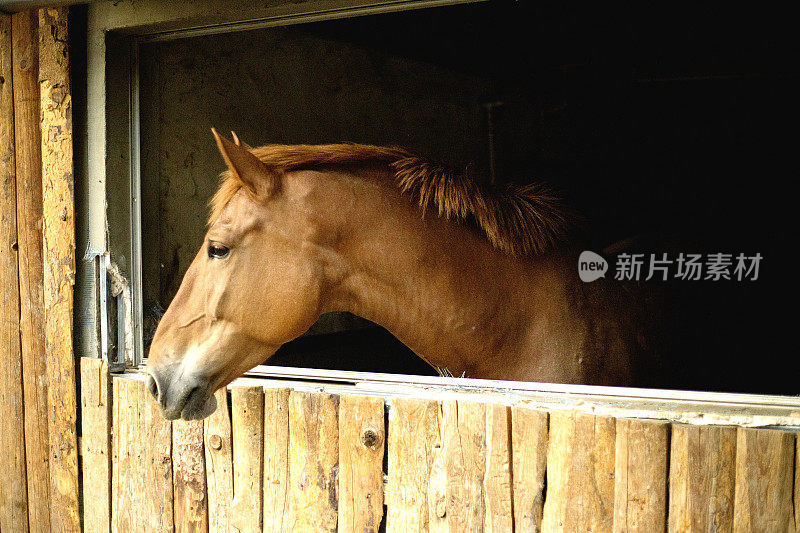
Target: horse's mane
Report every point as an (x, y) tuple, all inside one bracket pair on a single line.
[(519, 220)]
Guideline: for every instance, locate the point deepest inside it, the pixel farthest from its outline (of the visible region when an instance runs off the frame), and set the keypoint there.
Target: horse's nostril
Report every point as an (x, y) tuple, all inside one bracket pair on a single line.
[(152, 386)]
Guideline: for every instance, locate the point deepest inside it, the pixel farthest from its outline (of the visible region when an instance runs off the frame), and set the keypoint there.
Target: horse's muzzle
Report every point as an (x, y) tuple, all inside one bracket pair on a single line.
[(187, 397)]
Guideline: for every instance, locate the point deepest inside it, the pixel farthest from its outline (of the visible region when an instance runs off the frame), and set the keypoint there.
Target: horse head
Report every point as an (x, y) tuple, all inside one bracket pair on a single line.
[(254, 285)]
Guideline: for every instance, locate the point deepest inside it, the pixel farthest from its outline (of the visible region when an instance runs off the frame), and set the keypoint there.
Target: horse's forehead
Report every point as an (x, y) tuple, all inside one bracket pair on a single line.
[(241, 213)]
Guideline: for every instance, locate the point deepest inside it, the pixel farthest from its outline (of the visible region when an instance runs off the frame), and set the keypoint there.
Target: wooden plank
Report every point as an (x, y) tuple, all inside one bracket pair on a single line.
[(702, 476), (764, 479), (580, 473), (189, 476), (640, 487), (362, 441), (413, 434), (59, 265), (29, 235), (127, 485), (313, 461), (456, 493), (156, 439), (529, 436), (247, 408), (276, 459), (218, 445), (499, 515), (13, 485), (797, 484), (96, 445)]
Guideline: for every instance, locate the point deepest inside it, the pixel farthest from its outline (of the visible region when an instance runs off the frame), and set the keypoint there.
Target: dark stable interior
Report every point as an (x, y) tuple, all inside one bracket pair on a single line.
[(669, 124)]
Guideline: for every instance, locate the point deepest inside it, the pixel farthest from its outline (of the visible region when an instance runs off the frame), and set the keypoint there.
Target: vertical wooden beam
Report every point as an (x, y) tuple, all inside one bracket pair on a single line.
[(640, 487), (156, 440), (189, 476), (413, 436), (218, 445), (361, 447), (702, 473), (96, 444), (529, 447), (128, 511), (29, 233), (797, 484), (276, 460), (13, 487), (247, 407), (456, 492), (499, 515), (313, 460), (59, 265), (764, 480), (580, 473)]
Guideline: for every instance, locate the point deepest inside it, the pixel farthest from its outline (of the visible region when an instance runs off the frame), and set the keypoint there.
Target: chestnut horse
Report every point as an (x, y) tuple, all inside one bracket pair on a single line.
[(474, 279)]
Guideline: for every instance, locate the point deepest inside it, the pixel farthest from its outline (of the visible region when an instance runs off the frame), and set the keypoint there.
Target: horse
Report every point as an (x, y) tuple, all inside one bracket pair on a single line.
[(477, 279)]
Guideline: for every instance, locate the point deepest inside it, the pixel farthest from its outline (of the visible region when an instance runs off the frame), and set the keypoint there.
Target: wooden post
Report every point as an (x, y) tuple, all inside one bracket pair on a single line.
[(456, 492), (247, 408), (29, 233), (218, 445), (189, 476), (276, 460), (156, 437), (764, 479), (96, 443), (413, 436), (640, 487), (702, 475), (499, 513), (580, 473), (128, 511), (13, 487), (313, 460), (529, 445), (59, 265), (362, 441)]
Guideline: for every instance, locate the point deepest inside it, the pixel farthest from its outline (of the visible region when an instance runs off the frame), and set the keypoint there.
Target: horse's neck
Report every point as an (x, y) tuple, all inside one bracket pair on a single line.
[(439, 287)]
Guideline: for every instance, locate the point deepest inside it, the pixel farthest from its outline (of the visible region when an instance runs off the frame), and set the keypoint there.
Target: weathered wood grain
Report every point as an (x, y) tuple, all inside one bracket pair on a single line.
[(313, 461), (498, 505), (189, 476), (640, 478), (156, 440), (702, 473), (247, 408), (59, 265), (218, 445), (96, 445), (456, 495), (29, 236), (764, 480), (13, 486), (413, 436), (529, 437), (361, 447), (580, 473), (276, 460), (128, 511), (797, 484)]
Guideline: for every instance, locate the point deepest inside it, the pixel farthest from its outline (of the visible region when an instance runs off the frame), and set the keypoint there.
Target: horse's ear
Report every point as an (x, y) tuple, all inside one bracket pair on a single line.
[(237, 142), (245, 166)]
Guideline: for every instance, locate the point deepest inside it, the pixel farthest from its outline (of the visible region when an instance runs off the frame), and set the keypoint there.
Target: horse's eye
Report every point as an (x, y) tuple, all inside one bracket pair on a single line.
[(218, 251)]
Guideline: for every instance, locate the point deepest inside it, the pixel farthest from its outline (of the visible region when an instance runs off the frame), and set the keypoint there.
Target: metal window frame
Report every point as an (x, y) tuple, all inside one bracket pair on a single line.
[(116, 30)]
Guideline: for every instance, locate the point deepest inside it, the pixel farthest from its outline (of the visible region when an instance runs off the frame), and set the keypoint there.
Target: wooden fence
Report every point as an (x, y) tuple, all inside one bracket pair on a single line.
[(39, 483), (276, 459)]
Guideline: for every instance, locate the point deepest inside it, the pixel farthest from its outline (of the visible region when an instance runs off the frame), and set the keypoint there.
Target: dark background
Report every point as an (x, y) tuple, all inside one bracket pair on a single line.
[(674, 124)]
